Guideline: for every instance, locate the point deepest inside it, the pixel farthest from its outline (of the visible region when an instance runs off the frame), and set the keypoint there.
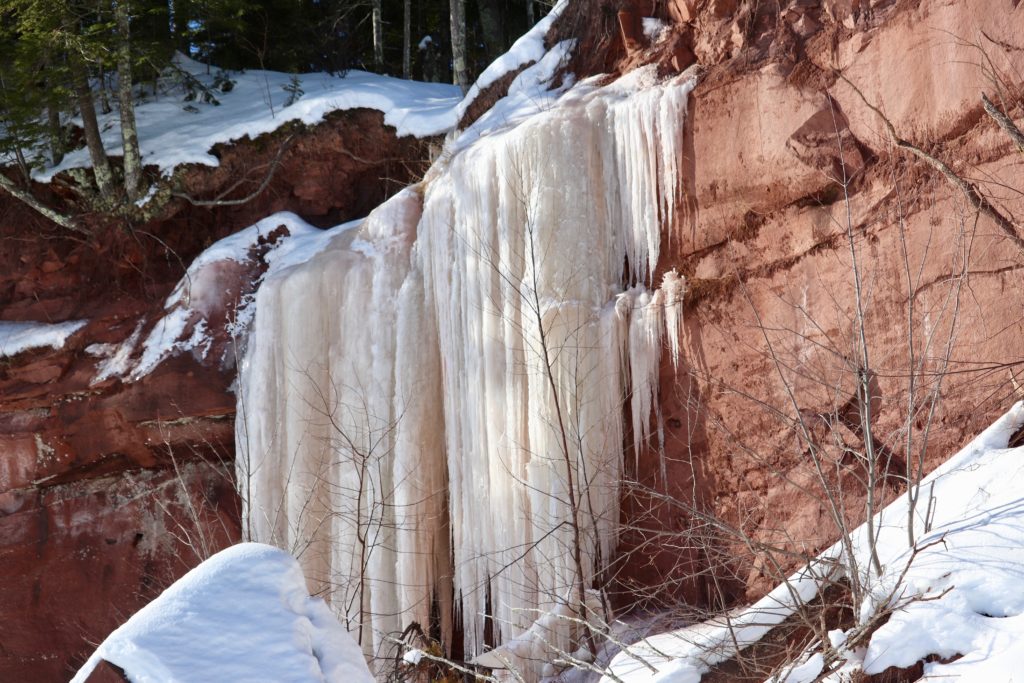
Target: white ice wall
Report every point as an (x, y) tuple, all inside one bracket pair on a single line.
[(416, 399)]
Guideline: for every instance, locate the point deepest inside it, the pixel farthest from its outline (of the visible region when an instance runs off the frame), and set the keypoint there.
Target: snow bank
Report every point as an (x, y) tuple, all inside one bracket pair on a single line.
[(686, 654), (170, 136), (245, 614), (16, 337), (968, 566)]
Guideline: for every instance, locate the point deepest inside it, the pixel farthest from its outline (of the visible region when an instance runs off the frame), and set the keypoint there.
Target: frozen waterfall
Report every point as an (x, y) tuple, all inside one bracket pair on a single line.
[(433, 404)]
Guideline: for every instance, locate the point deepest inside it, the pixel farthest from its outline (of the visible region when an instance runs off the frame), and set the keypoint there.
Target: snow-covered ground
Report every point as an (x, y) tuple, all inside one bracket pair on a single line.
[(16, 337), (959, 595), (173, 132), (245, 614)]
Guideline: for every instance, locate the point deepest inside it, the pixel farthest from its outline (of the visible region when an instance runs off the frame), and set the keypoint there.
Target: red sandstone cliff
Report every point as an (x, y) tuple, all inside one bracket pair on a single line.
[(786, 161)]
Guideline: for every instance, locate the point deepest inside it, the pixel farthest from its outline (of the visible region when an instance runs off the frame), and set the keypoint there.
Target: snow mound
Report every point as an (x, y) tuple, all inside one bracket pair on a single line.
[(245, 614), (171, 134), (527, 49), (16, 337)]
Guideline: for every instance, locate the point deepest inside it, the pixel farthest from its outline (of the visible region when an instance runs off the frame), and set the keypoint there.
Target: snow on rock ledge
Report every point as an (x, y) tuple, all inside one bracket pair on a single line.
[(169, 136), (16, 337), (211, 306), (245, 614)]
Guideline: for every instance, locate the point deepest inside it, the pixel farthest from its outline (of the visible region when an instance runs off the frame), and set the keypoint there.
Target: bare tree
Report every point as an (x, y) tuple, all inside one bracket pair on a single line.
[(407, 39), (377, 20)]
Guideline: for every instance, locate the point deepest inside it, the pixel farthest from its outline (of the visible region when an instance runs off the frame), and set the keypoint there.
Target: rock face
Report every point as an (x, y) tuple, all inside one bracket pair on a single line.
[(805, 224), (111, 489)]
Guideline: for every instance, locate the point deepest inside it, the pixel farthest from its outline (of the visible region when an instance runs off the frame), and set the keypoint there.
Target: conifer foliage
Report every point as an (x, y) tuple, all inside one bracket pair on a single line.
[(64, 60)]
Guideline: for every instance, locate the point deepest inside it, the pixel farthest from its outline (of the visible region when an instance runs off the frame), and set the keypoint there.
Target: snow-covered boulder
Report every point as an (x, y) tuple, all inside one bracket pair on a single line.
[(245, 614)]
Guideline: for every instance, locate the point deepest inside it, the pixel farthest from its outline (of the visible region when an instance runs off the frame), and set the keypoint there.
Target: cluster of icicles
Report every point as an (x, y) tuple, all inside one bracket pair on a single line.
[(416, 399)]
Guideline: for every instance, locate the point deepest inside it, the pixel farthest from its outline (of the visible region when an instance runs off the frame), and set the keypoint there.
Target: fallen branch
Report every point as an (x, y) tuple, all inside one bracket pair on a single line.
[(28, 198)]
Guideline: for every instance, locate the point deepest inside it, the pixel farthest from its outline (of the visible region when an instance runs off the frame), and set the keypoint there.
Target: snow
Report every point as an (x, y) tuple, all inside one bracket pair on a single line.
[(803, 672), (528, 48), (170, 136), (16, 337), (396, 387), (968, 567), (684, 655), (958, 594), (549, 638), (529, 94), (186, 324), (654, 29), (245, 614)]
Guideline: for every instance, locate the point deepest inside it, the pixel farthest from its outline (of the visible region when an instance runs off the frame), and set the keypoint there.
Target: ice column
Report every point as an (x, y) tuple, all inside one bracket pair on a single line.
[(340, 430), (524, 240)]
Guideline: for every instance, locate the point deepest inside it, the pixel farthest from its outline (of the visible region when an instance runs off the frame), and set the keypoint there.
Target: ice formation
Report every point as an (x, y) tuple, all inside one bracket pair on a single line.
[(422, 402)]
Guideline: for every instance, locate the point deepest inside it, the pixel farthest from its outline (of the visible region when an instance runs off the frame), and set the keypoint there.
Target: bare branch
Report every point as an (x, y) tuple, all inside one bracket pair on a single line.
[(1004, 122), (974, 196), (220, 201)]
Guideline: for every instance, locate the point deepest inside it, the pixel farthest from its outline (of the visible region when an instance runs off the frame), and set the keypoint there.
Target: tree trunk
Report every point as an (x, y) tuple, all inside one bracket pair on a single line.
[(105, 107), (490, 24), (378, 34), (460, 72), (407, 40), (100, 163), (54, 133), (181, 17), (531, 16), (27, 197), (129, 133)]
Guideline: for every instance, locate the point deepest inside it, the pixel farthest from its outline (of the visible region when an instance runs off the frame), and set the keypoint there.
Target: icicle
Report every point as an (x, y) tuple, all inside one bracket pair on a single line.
[(674, 286), (340, 458)]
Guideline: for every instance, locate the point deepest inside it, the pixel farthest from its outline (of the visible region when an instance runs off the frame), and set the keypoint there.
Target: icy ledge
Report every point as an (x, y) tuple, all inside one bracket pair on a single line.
[(245, 614)]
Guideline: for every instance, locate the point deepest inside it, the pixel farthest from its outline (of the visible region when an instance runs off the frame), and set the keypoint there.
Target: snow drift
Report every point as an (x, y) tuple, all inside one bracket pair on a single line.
[(242, 615), (954, 593)]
